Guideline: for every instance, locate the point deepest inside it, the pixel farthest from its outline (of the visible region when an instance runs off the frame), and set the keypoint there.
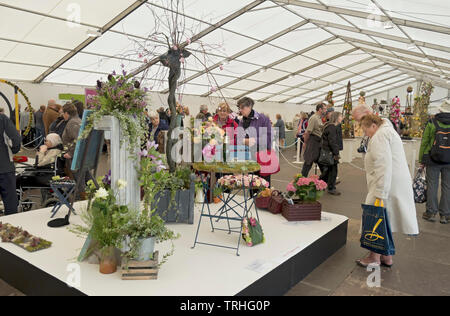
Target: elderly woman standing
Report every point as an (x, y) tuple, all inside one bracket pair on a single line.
[(388, 180), (255, 131)]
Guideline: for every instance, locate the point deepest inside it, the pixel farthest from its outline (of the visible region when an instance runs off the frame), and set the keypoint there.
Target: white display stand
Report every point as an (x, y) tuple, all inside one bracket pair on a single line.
[(290, 253), (349, 148), (123, 164)]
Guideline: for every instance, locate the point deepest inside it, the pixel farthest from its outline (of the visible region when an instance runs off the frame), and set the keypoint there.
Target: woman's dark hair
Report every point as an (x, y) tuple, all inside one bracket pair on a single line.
[(320, 106), (246, 102), (70, 109)]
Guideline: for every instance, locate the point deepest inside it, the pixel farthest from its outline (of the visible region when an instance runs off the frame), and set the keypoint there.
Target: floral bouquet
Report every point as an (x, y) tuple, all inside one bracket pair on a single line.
[(306, 189), (120, 93), (122, 97), (211, 136), (232, 182)]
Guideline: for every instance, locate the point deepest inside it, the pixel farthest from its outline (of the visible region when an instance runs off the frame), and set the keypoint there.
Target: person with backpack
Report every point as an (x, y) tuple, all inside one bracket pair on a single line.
[(435, 156)]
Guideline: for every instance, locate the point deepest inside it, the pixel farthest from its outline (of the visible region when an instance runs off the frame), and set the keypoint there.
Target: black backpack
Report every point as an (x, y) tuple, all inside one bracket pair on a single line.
[(440, 152)]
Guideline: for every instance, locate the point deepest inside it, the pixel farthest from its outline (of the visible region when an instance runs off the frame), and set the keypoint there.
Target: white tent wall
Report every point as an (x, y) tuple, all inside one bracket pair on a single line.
[(39, 94)]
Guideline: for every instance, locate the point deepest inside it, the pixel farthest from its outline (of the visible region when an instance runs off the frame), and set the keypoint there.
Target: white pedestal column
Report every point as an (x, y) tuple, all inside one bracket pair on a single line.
[(123, 164)]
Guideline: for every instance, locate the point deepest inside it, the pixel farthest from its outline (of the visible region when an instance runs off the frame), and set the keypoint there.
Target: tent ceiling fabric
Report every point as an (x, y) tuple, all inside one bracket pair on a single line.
[(280, 51)]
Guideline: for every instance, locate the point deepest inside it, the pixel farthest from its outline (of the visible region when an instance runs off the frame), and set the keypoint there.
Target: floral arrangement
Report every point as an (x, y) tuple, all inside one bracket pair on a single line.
[(122, 97), (395, 114), (306, 189), (22, 238), (211, 136), (329, 99), (234, 182)]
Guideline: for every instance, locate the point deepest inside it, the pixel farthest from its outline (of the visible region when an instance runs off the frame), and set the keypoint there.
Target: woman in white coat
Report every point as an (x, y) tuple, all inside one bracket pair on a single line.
[(388, 180)]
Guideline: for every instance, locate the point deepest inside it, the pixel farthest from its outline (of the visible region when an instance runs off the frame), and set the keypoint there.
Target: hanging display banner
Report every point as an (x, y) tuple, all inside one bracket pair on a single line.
[(90, 94)]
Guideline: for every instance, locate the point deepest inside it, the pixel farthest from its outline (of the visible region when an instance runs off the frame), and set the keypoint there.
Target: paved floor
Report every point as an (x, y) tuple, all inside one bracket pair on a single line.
[(422, 265)]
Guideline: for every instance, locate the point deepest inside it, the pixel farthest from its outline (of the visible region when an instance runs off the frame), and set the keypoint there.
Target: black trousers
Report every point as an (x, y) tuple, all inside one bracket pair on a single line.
[(8, 192), (329, 175)]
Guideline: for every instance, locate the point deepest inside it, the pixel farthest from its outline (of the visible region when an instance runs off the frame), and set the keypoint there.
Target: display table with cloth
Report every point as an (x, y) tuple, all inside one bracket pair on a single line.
[(231, 210)]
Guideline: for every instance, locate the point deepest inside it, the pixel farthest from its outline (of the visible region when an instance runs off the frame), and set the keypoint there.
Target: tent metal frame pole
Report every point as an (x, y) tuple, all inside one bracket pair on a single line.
[(364, 15), (316, 79), (243, 52), (203, 33), (83, 45), (297, 72), (344, 78), (278, 62)]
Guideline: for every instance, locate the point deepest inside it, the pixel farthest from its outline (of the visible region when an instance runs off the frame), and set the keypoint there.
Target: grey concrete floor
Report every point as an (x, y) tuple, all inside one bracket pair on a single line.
[(422, 264)]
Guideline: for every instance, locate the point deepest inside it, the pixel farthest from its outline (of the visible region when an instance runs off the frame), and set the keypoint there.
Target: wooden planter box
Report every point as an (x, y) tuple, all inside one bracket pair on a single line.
[(181, 210), (302, 211)]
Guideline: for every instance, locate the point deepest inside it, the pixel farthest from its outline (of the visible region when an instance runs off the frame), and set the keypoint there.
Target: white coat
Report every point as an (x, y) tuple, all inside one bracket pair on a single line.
[(389, 178)]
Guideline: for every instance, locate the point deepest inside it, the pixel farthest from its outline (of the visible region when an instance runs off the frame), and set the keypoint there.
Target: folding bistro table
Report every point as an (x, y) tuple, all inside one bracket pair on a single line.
[(232, 210)]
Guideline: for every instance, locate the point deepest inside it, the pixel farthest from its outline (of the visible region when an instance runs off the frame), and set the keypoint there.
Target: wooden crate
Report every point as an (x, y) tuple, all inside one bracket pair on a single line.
[(141, 270)]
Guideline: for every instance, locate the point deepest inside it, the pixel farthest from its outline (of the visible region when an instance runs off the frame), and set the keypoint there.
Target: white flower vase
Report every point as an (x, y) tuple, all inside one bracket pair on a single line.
[(199, 197)]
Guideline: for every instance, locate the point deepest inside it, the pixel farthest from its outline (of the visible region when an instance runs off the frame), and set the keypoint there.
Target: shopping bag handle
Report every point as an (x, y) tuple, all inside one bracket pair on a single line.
[(379, 203)]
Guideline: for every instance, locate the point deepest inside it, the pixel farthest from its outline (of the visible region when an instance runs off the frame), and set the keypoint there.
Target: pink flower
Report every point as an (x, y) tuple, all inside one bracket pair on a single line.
[(250, 244), (291, 188), (253, 222)]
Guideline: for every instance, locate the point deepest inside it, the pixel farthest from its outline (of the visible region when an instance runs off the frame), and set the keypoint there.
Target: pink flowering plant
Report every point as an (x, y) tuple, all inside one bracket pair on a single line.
[(235, 182), (306, 189)]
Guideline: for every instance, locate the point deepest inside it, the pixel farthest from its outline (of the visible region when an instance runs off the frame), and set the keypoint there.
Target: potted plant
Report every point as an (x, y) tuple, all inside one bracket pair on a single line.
[(170, 195), (307, 192), (142, 231), (217, 192), (102, 222)]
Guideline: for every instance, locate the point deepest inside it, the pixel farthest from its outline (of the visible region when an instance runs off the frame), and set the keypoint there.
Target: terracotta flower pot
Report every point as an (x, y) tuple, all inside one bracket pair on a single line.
[(217, 200), (108, 262)]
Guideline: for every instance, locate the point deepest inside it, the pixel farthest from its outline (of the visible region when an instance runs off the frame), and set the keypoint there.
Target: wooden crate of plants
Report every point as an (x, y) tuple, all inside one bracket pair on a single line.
[(141, 270)]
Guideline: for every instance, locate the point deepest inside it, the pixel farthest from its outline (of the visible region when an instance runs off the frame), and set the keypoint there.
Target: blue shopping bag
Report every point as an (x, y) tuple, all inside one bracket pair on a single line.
[(376, 231)]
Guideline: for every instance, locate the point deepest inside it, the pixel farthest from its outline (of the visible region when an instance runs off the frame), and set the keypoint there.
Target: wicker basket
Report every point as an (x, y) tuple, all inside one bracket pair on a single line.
[(262, 202), (302, 211)]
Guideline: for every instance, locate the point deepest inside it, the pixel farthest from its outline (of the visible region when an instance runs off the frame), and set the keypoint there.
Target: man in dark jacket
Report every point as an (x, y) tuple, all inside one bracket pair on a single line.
[(9, 145)]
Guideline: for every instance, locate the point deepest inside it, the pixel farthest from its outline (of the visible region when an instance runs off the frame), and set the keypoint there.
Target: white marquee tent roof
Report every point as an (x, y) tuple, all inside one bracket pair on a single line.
[(282, 51)]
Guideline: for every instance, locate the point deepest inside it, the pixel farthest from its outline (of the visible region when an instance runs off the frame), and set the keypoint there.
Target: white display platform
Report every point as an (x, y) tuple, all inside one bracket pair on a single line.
[(203, 271)]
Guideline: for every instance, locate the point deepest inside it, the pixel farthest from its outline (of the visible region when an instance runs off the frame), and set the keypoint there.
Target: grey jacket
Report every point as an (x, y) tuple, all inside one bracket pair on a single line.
[(8, 131), (70, 134)]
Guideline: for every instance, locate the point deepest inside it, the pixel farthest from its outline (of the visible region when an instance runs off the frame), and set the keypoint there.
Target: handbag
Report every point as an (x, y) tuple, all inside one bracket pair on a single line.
[(269, 162), (252, 231), (376, 231), (326, 158), (276, 203), (420, 187)]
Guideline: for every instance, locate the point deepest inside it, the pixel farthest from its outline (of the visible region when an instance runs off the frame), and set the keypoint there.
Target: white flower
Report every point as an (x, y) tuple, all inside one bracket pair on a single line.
[(121, 184), (101, 194)]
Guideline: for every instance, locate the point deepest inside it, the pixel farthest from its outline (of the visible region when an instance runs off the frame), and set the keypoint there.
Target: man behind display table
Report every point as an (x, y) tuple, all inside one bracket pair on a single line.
[(9, 145)]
